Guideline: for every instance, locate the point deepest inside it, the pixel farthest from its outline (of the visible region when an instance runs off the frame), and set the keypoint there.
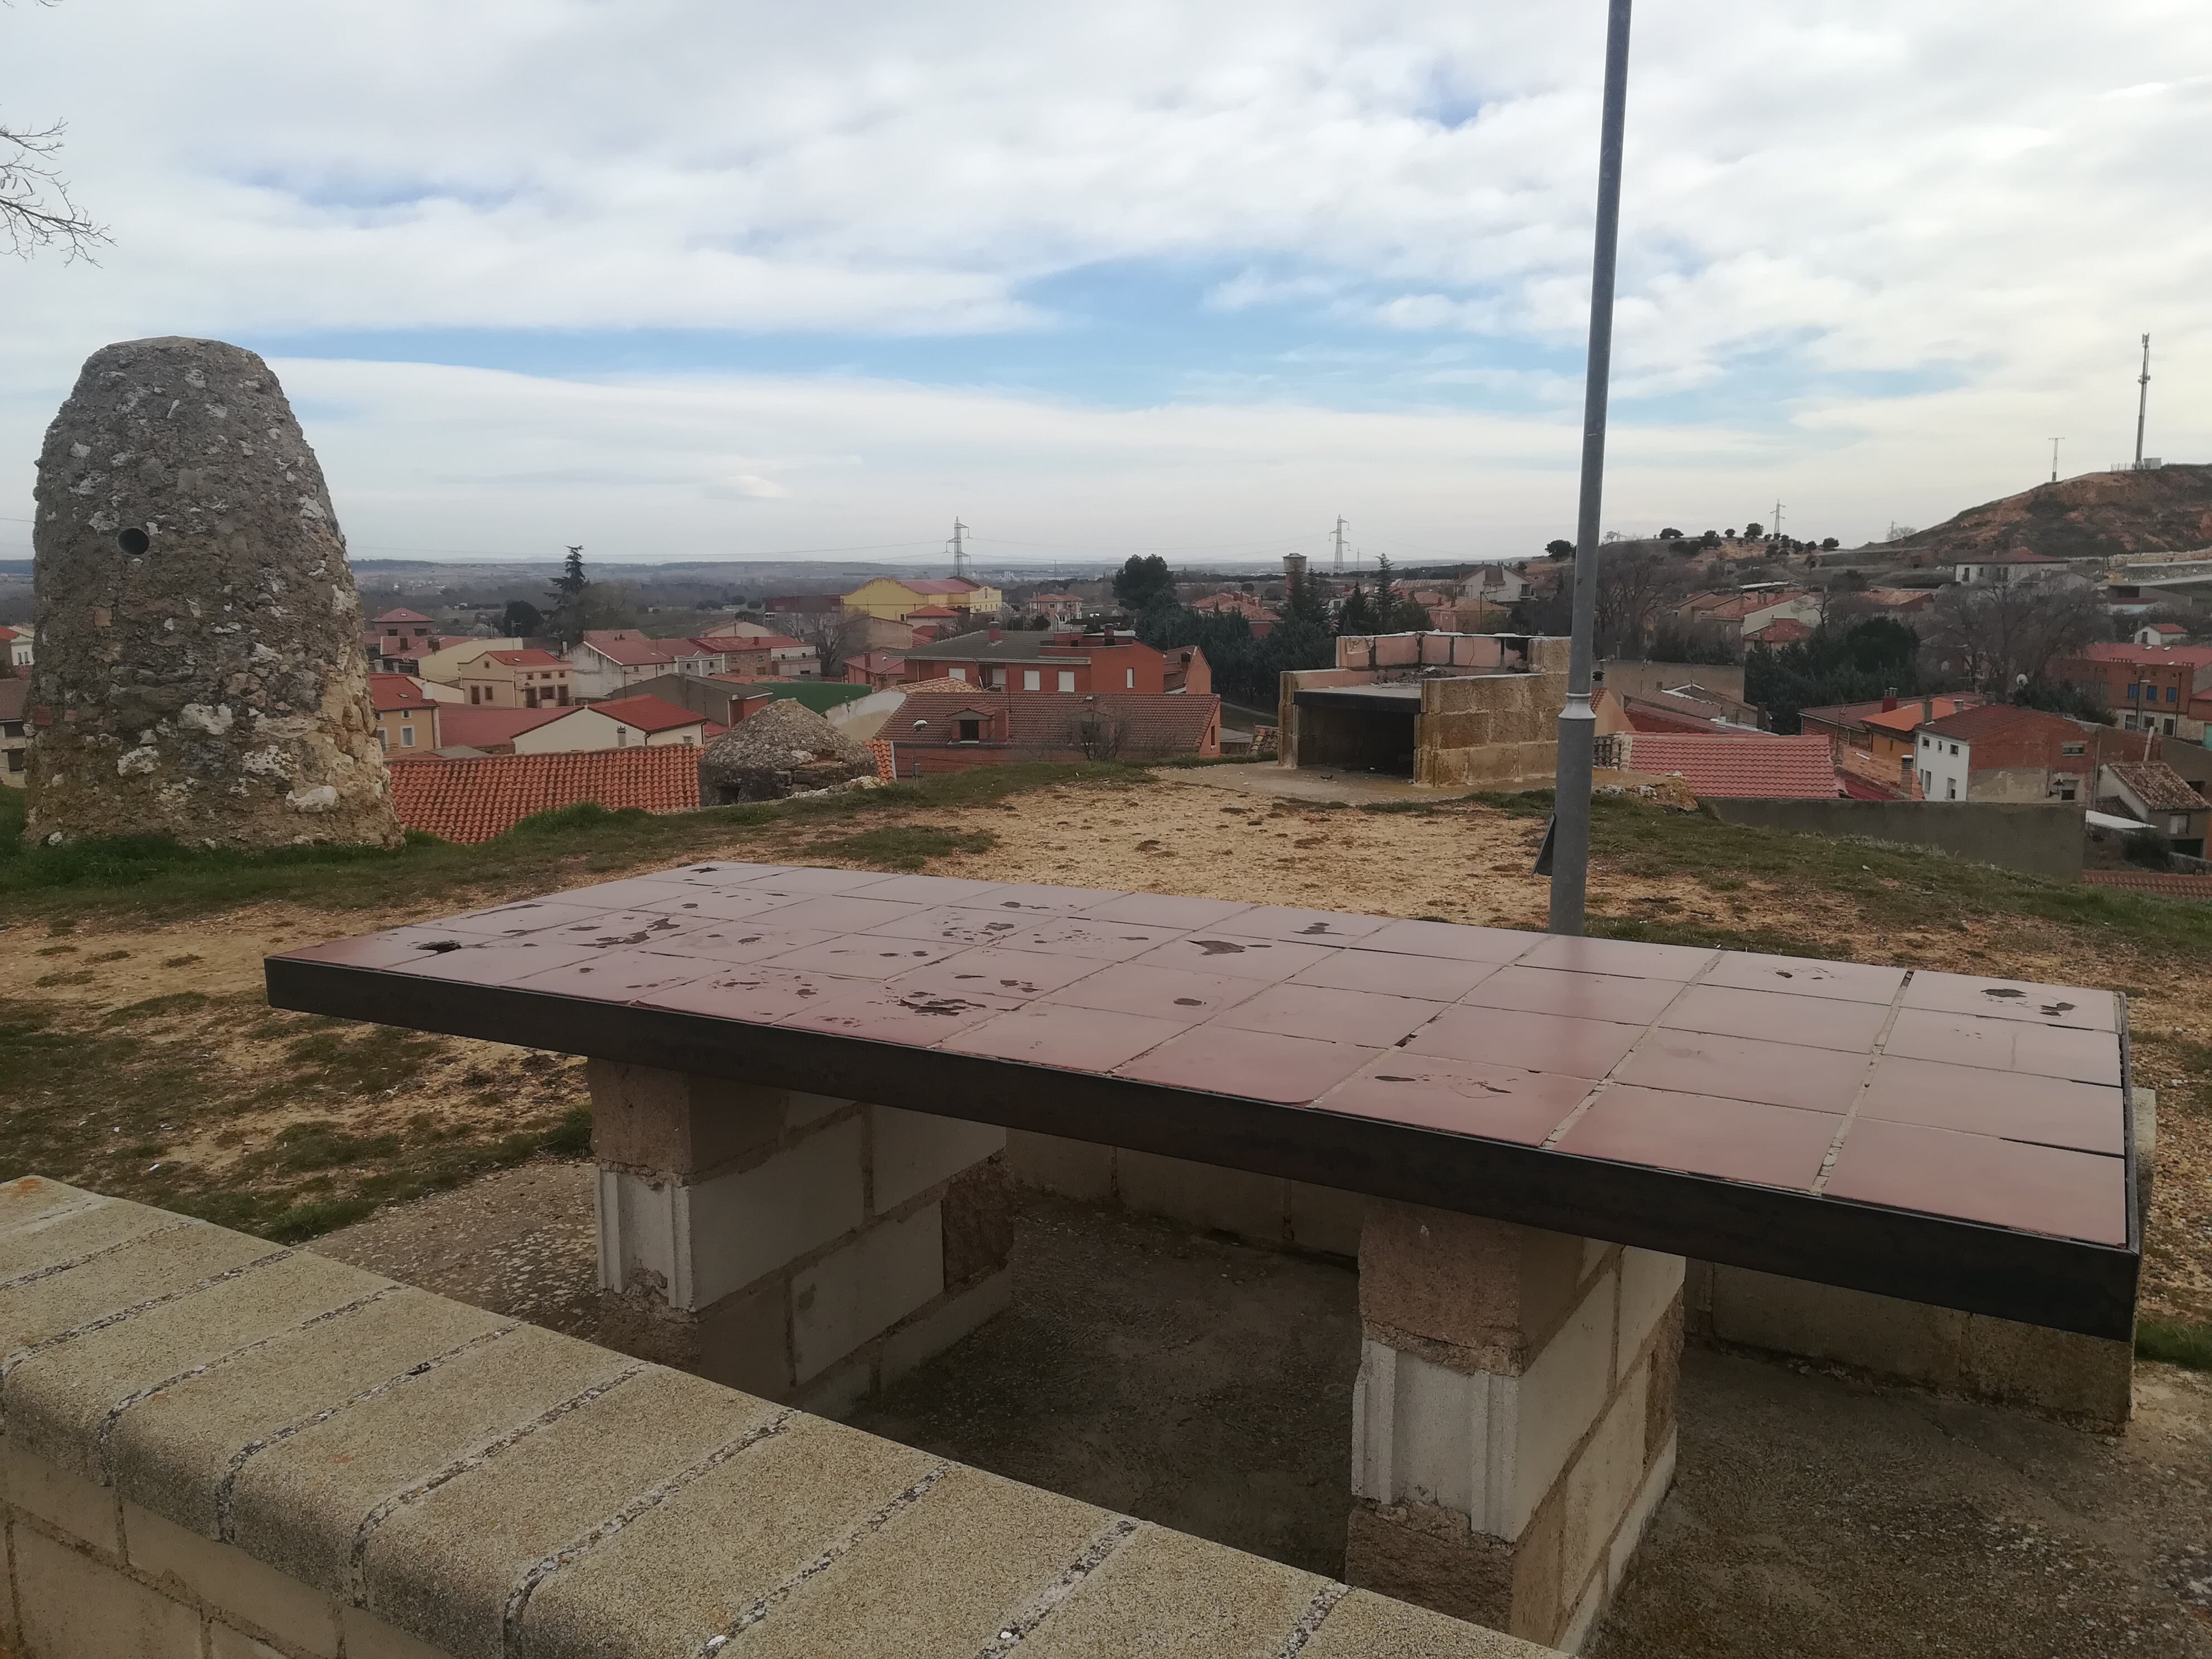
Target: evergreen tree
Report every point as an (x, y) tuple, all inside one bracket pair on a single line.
[(1141, 584), (1356, 614)]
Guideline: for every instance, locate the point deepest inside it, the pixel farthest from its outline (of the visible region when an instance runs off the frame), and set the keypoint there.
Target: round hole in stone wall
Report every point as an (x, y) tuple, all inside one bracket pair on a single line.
[(132, 541)]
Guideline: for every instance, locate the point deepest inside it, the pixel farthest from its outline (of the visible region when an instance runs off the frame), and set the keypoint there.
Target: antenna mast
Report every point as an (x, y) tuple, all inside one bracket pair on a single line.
[(1340, 545), (2142, 401), (2054, 442)]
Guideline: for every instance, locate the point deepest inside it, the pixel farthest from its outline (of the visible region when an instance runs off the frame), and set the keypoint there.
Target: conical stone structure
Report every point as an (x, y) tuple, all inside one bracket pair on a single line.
[(200, 671)]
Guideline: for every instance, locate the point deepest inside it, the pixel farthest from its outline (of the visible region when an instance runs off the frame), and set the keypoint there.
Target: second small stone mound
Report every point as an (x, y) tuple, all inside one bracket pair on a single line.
[(785, 749)]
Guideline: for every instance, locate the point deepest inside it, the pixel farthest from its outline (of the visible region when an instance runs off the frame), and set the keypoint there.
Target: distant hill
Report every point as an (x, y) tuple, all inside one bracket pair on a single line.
[(2097, 515)]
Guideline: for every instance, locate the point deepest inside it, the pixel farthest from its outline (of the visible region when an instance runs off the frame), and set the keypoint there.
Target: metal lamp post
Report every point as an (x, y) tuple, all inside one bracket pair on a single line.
[(1569, 847)]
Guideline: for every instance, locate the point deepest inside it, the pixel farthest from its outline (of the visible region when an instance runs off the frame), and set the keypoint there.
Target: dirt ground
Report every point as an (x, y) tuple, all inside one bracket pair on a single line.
[(159, 1072), (1814, 1517)]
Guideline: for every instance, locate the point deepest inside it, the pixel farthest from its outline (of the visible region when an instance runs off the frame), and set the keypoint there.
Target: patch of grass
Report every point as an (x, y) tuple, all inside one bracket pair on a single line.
[(152, 875), (2174, 1343), (175, 1002), (905, 847)]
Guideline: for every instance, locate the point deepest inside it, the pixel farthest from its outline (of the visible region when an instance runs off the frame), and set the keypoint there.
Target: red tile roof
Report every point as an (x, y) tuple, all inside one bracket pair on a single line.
[(400, 616), (1971, 724), (473, 800), (1909, 715), (1786, 630), (6, 634), (2153, 881), (529, 657), (460, 727), (1758, 767), (2157, 786), (648, 713), (2153, 656), (390, 693), (932, 610), (628, 648)]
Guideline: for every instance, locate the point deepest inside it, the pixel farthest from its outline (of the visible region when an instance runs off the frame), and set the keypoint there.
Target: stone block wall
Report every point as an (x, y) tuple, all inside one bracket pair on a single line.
[(803, 1248), (1488, 729), (1513, 1424), (1266, 1210), (211, 1448)]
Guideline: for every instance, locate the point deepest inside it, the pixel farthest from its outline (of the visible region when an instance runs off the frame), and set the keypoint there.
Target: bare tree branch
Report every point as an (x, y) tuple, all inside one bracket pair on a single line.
[(36, 211)]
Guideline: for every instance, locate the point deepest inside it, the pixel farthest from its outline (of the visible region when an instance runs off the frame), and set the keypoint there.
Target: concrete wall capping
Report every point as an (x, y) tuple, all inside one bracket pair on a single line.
[(213, 1449)]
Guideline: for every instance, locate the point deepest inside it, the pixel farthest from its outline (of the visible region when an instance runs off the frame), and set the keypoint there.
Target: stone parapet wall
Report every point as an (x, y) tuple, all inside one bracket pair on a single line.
[(216, 1449)]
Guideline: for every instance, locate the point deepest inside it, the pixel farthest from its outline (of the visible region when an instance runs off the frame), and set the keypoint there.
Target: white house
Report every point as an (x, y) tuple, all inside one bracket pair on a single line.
[(2015, 565), (2161, 633), (16, 642)]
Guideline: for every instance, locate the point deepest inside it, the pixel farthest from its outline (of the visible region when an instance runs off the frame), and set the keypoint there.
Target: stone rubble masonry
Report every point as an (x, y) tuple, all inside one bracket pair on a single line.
[(1513, 1427), (200, 671), (806, 1248), (2079, 1379), (213, 1449)]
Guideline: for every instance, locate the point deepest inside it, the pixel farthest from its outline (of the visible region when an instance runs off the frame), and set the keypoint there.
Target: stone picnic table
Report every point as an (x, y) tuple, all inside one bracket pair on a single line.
[(802, 1078)]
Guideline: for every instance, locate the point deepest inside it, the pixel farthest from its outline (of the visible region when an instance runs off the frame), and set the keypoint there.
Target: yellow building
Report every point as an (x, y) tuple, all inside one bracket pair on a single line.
[(891, 598)]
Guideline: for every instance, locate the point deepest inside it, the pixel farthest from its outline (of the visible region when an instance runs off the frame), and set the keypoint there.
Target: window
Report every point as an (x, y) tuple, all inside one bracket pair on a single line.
[(1950, 789), (15, 760), (1128, 679), (2135, 692), (2169, 694), (1927, 780), (957, 673), (2169, 726), (2066, 792), (406, 737), (971, 731), (1032, 679), (2069, 749), (1067, 679), (1954, 747)]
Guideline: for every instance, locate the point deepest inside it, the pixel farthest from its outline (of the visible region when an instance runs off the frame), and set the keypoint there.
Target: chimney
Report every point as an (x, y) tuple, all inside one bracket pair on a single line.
[(993, 635), (1927, 708), (1889, 700)]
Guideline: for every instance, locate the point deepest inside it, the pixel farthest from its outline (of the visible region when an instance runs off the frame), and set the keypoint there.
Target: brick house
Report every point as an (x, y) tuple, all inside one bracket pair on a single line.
[(2151, 688), (407, 718), (1058, 660), (2002, 752), (398, 636), (528, 679), (951, 730)]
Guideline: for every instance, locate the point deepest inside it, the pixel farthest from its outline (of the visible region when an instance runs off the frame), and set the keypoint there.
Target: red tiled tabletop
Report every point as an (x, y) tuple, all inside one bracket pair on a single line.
[(1982, 1101)]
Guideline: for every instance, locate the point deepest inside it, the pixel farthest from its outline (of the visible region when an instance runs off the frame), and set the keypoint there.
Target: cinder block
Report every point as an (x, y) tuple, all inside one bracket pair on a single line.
[(368, 1637), (1366, 1626), (1562, 1393), (170, 1451), (72, 1607), (229, 1580), (1651, 1281), (978, 1208), (1053, 1163), (49, 1235), (749, 1223), (915, 1150), (1658, 1480), (682, 1572), (1324, 1218), (57, 1399), (1601, 1485), (1165, 1592), (838, 1392), (2080, 1376), (1491, 1290), (1882, 1333), (61, 1498), (443, 1565), (153, 1266), (987, 1550), (224, 1643), (296, 1505), (691, 1245), (1200, 1195), (676, 1124), (863, 1288), (930, 1333)]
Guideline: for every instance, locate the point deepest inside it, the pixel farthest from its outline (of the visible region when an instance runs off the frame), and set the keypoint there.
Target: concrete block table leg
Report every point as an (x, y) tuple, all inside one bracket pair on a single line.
[(1513, 1424), (799, 1247)]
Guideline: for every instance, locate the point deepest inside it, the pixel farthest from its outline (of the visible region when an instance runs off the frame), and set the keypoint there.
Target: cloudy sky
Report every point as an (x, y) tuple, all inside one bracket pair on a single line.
[(683, 279)]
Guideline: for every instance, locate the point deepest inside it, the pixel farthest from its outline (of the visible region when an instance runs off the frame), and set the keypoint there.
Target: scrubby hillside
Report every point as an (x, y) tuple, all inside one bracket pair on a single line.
[(2094, 516)]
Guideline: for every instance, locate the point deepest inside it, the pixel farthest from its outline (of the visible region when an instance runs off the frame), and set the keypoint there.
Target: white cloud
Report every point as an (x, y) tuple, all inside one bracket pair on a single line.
[(1989, 198)]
